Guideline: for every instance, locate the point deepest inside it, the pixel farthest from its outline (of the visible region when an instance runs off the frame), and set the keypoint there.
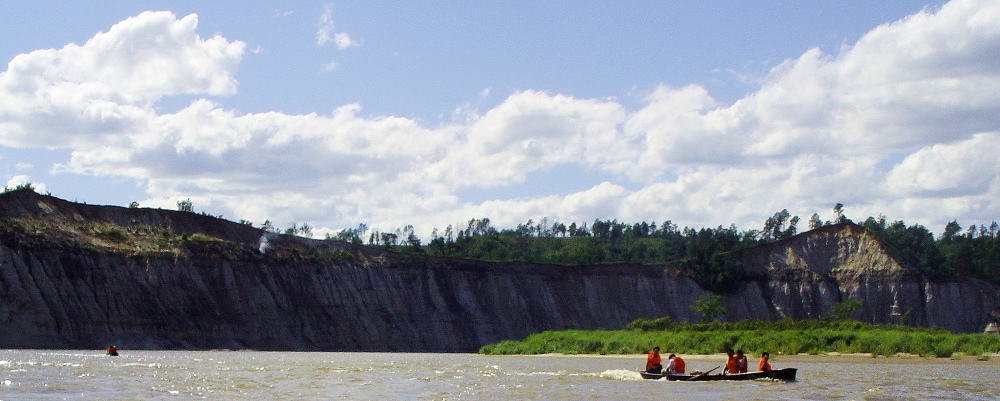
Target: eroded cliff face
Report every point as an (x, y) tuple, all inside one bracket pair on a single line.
[(361, 303), (807, 275), (165, 279)]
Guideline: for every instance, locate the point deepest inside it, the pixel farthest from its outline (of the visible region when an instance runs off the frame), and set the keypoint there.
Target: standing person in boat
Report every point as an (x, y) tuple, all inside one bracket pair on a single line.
[(653, 361), (112, 351), (732, 364), (741, 361), (763, 365), (675, 366)]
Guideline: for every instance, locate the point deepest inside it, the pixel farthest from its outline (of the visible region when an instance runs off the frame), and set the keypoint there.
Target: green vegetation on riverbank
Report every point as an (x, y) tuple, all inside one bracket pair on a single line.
[(778, 337)]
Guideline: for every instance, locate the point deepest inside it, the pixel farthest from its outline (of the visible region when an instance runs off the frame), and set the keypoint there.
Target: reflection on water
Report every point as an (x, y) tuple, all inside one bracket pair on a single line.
[(221, 375)]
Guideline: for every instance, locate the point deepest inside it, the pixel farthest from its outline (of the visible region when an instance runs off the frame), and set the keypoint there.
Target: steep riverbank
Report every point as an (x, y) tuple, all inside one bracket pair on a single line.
[(85, 276)]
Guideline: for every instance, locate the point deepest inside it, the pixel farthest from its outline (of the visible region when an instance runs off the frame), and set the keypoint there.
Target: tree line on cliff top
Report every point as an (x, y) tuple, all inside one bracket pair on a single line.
[(708, 255)]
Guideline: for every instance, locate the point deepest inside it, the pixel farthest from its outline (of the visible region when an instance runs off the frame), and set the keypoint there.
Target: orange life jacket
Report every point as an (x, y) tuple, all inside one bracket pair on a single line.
[(763, 366), (678, 365), (652, 360), (732, 365)]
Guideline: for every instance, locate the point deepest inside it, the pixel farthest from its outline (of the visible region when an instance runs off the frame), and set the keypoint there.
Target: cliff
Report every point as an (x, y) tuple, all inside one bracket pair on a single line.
[(808, 274), (85, 276)]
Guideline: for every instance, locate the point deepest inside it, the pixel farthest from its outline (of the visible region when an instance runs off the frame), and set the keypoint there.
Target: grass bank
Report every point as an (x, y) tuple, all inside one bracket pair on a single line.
[(780, 337)]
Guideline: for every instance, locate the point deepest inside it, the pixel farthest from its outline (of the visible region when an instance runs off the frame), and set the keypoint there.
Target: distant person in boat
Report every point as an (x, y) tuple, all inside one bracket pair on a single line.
[(741, 361), (675, 365), (732, 364), (763, 365), (112, 351), (653, 361)]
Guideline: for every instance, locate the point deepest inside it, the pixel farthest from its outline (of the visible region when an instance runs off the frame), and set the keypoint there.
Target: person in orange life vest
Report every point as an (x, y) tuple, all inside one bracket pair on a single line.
[(653, 360), (112, 351), (732, 364), (763, 365), (741, 361), (675, 366)]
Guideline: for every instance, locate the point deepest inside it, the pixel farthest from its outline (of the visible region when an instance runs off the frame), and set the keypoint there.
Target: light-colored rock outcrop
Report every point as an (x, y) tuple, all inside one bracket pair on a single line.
[(807, 275)]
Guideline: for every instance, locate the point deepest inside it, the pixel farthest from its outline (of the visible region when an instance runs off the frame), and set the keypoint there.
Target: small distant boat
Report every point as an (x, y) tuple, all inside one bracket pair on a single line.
[(786, 374)]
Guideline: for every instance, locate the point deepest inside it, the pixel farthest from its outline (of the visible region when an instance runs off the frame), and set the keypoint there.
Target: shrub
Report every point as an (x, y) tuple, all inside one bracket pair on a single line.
[(112, 234), (663, 323), (779, 337), (19, 187)]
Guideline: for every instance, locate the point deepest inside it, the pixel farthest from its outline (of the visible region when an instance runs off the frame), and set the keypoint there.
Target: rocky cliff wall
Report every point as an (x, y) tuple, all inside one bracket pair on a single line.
[(91, 300), (224, 293), (807, 275)]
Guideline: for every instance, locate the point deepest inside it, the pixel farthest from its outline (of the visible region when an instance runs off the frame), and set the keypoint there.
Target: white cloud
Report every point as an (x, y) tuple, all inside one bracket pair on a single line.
[(328, 67), (967, 168), (325, 32), (822, 128), (16, 180), (343, 40), (104, 90), (530, 131)]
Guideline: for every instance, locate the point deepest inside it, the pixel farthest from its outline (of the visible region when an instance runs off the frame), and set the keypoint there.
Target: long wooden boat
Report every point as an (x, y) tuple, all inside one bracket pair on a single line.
[(786, 374)]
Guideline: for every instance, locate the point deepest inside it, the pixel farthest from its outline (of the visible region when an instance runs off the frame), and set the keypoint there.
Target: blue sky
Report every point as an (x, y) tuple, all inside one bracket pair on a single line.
[(430, 114)]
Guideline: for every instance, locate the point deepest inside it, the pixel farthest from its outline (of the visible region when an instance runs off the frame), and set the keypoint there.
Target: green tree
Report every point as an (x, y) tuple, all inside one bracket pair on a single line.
[(951, 231), (815, 222), (185, 205), (708, 307), (781, 225), (845, 309)]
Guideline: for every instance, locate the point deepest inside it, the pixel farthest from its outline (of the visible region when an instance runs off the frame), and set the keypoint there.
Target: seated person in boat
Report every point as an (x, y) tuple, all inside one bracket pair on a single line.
[(741, 361), (653, 360), (763, 365), (675, 365), (732, 364)]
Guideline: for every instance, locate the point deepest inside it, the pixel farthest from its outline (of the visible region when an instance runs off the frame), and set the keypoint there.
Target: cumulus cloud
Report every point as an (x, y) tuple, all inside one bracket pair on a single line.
[(901, 122), (966, 168), (22, 179), (104, 90), (529, 131)]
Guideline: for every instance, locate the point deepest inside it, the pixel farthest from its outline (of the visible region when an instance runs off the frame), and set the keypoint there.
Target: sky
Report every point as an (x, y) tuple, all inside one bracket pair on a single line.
[(430, 114)]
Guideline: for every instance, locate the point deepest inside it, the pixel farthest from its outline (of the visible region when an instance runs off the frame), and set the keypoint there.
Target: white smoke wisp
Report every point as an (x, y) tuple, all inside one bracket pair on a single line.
[(265, 242)]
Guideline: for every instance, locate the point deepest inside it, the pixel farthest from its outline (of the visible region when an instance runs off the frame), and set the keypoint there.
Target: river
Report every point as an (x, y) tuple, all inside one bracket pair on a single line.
[(241, 375)]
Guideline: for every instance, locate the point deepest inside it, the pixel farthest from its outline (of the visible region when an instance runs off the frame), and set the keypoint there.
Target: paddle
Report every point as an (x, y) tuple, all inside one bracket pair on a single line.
[(695, 377)]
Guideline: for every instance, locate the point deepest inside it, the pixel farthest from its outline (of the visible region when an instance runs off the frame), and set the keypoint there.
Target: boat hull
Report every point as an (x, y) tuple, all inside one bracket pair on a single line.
[(786, 374)]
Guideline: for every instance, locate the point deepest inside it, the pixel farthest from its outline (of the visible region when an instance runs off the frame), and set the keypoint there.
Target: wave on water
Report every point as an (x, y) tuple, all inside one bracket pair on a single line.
[(621, 374), (143, 365)]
